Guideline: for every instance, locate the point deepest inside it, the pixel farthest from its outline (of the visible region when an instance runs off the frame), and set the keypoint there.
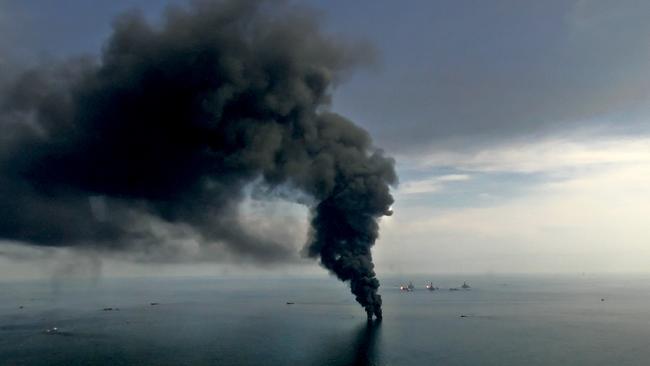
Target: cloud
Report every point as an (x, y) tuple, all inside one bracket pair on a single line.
[(430, 184), (551, 155), (586, 210), (464, 77)]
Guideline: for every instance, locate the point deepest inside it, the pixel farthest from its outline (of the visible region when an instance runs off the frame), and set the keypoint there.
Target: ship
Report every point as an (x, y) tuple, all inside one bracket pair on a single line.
[(465, 286), (430, 286), (407, 288)]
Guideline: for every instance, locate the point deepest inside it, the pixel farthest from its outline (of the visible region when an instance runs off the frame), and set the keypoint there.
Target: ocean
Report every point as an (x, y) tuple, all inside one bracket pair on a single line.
[(502, 320)]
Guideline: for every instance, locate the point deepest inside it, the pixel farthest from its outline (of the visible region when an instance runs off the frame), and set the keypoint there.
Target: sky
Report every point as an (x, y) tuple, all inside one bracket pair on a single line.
[(520, 129)]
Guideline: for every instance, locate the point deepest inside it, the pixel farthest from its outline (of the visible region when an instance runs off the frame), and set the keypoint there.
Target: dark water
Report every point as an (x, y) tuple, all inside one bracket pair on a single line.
[(522, 320)]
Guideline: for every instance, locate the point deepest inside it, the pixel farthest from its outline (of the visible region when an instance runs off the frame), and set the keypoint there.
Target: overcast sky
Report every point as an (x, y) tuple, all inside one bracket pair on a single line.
[(520, 128)]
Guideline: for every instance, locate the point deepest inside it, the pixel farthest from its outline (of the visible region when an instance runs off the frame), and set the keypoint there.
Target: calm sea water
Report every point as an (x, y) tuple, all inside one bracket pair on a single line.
[(525, 320)]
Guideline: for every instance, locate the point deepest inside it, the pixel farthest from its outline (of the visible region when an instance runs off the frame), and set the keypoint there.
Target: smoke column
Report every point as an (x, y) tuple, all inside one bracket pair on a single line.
[(172, 122)]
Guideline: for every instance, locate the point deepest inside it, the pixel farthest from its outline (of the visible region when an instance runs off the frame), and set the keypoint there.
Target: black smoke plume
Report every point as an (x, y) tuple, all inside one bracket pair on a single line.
[(174, 120)]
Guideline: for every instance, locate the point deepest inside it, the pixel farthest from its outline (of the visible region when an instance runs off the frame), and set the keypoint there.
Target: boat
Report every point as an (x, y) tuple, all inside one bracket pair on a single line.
[(407, 288)]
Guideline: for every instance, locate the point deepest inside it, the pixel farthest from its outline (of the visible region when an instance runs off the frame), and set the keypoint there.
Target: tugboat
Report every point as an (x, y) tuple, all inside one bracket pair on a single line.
[(465, 286), (430, 286)]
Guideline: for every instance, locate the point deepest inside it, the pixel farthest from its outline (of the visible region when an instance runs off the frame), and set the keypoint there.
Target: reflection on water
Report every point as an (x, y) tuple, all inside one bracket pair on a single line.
[(366, 345), (361, 347)]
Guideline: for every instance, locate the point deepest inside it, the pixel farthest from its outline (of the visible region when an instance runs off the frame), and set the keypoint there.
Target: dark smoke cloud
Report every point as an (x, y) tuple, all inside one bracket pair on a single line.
[(172, 123)]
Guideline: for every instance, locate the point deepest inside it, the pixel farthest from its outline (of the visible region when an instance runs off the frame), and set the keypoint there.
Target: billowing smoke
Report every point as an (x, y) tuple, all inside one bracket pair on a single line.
[(174, 120)]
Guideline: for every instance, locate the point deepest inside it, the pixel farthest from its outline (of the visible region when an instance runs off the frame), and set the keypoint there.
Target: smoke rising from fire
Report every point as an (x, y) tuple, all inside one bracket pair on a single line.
[(173, 121)]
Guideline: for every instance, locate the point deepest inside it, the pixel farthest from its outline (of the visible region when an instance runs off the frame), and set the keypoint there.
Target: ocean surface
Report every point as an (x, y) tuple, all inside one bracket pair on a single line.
[(506, 320)]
